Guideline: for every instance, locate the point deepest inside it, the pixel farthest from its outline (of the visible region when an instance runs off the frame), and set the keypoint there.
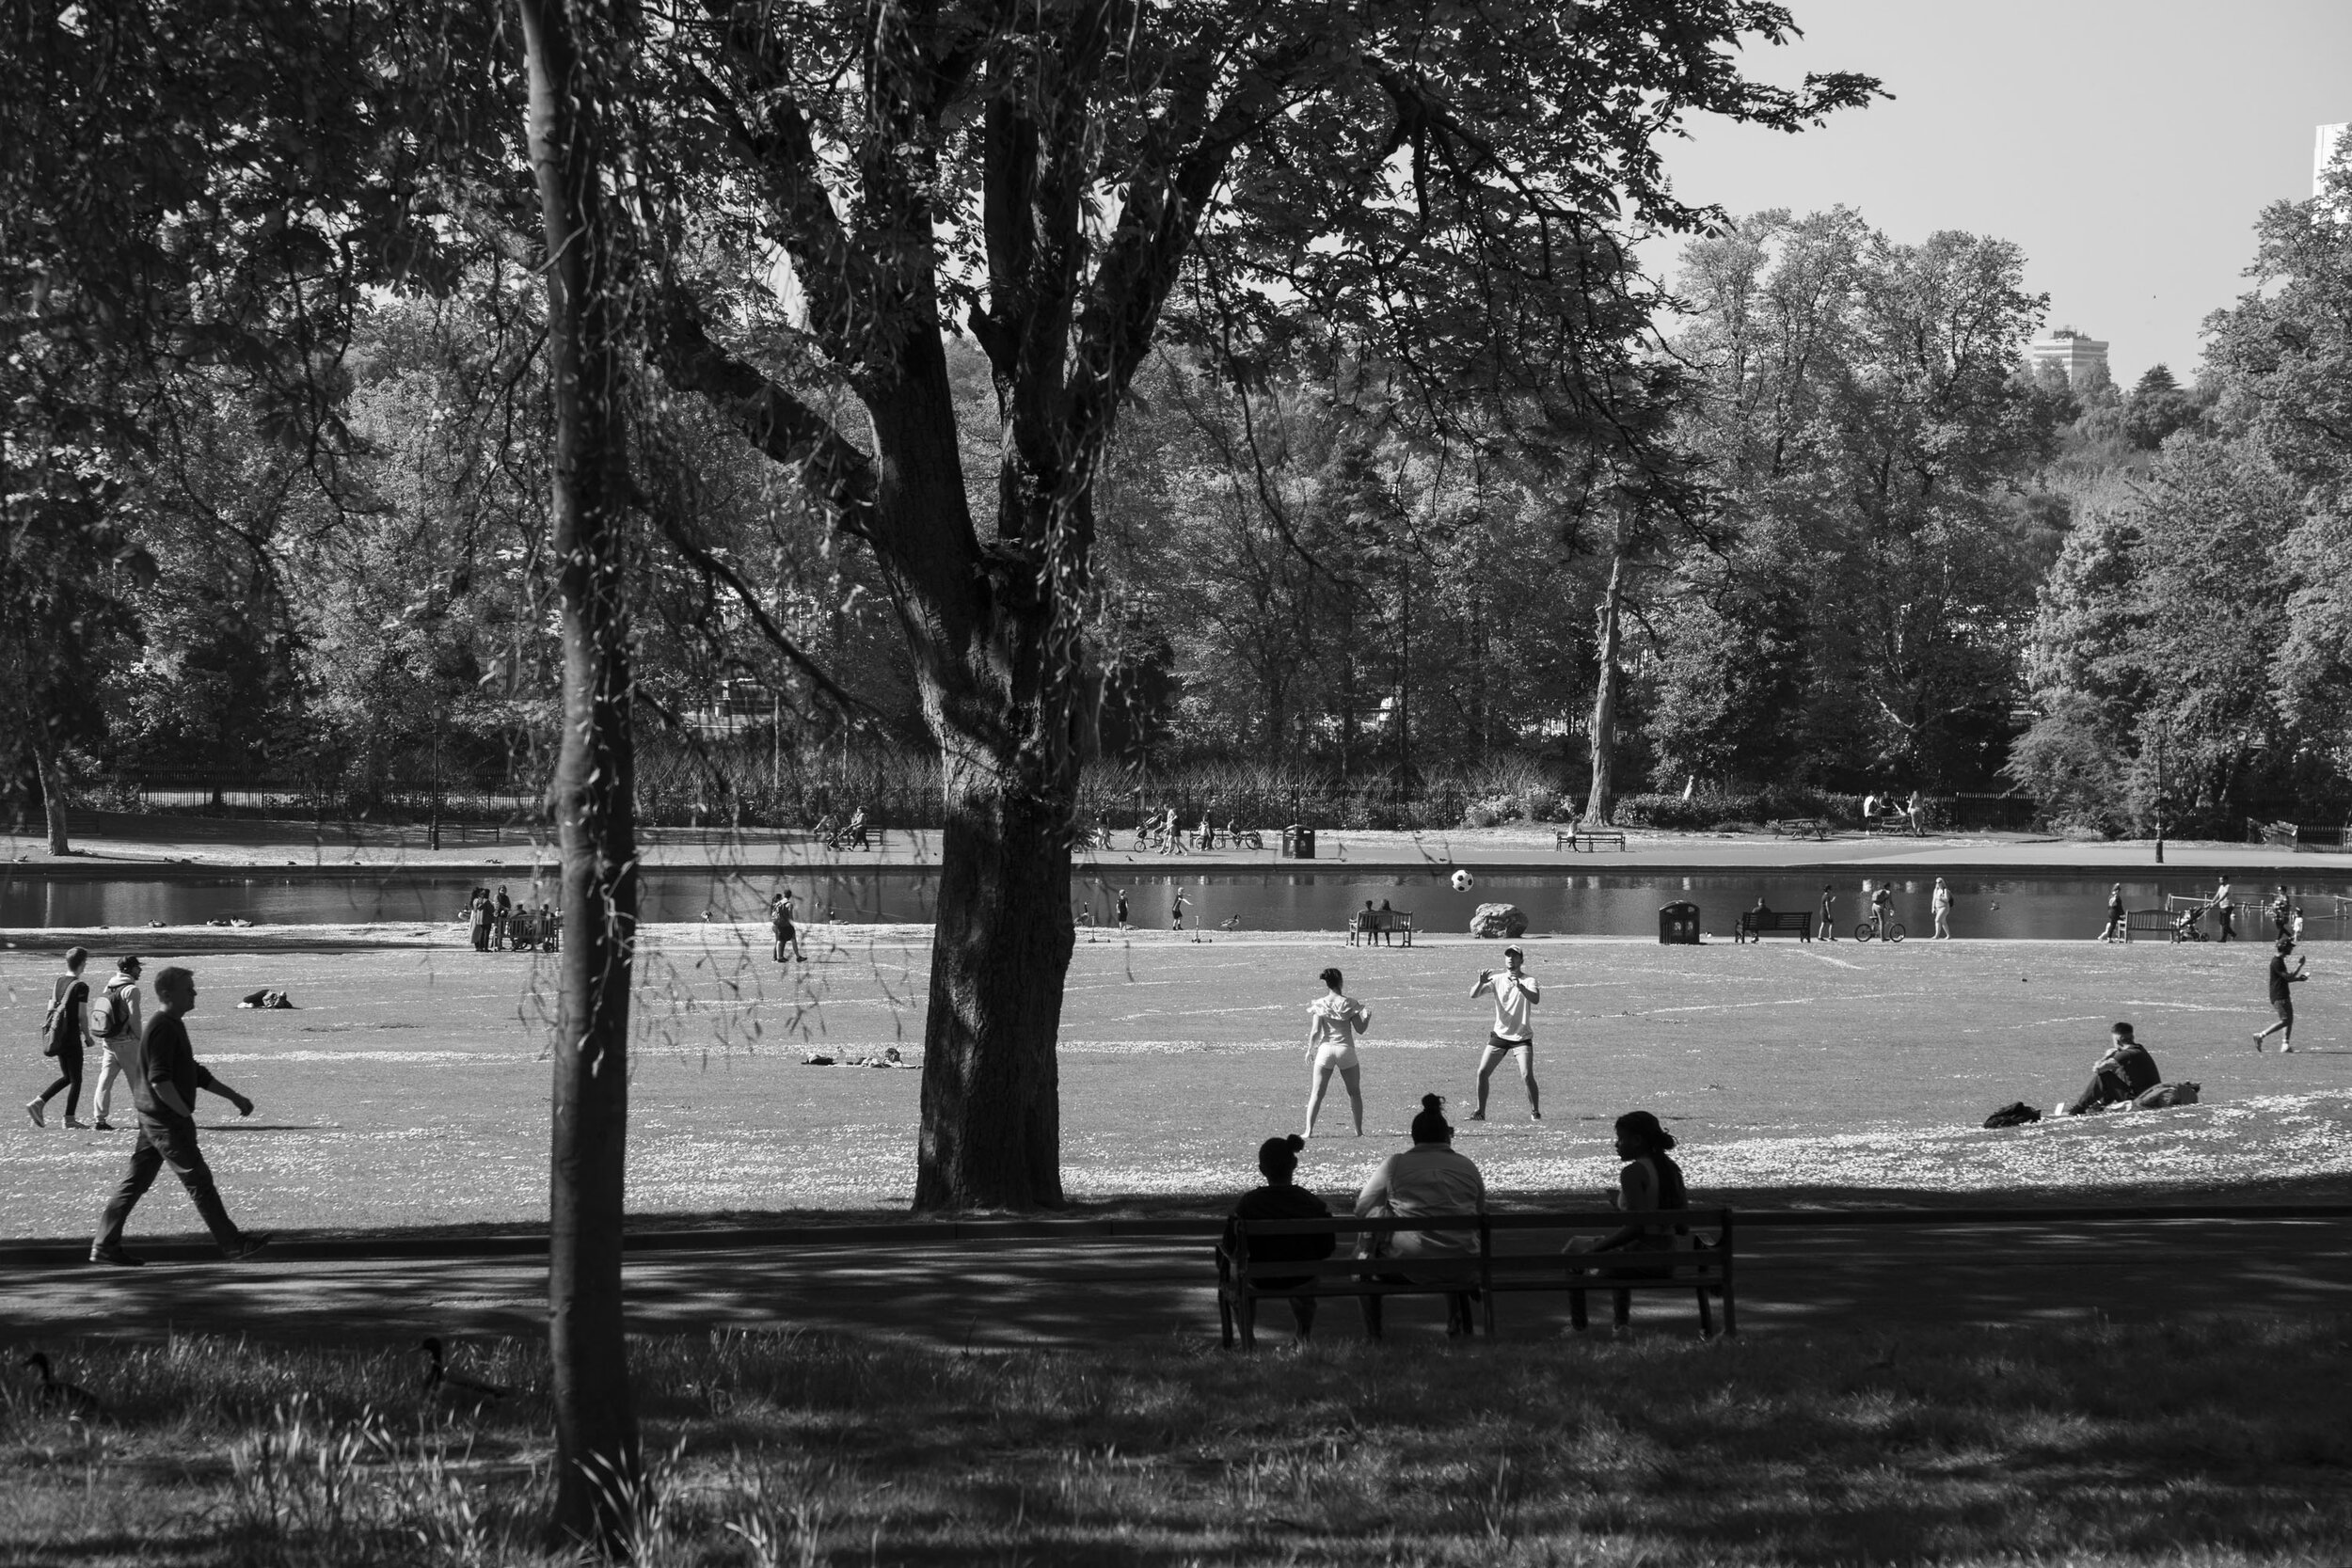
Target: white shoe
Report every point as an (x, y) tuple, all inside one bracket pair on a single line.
[(2285, 1049), (32, 1109)]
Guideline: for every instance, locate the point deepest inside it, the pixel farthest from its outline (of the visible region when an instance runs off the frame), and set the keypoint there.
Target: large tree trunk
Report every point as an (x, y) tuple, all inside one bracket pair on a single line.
[(1602, 800), (598, 1469), (51, 770), (991, 1093)]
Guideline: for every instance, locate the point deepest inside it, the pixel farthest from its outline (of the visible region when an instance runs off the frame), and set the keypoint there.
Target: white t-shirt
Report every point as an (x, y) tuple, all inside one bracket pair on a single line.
[(1338, 1019), (1942, 898), (1511, 1004)]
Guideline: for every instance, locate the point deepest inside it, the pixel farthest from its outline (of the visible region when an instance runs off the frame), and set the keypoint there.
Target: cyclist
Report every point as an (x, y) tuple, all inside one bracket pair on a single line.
[(1883, 910)]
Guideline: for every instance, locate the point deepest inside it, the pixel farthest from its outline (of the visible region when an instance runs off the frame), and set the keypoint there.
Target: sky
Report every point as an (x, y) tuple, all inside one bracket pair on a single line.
[(2126, 146)]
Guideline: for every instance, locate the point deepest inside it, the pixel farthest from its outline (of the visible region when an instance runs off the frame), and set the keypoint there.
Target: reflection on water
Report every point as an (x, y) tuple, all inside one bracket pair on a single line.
[(1623, 905)]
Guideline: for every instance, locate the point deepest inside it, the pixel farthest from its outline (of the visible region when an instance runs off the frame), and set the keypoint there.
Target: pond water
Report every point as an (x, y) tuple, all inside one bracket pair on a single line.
[(1621, 905)]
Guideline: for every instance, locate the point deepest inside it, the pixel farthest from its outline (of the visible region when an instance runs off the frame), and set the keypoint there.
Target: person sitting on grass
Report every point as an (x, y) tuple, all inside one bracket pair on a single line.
[(1426, 1181), (2118, 1078), (1281, 1199)]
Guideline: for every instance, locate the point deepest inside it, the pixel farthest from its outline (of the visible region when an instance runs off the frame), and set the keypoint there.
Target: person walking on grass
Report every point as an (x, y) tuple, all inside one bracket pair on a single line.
[(2221, 911), (63, 1034), (1942, 907), (164, 1080), (1514, 996), (1829, 912), (2281, 997), (1333, 1021), (115, 1021), (2113, 931), (780, 920)]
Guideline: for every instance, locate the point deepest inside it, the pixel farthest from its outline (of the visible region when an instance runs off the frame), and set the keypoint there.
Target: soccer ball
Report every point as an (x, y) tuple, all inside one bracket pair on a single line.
[(1461, 881)]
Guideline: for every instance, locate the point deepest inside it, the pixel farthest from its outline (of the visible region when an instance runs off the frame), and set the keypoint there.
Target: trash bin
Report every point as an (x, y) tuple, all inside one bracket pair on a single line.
[(1678, 925), (1298, 843)]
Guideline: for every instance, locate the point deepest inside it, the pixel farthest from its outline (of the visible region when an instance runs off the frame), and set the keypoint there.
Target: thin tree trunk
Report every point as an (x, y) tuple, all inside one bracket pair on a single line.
[(599, 1468), (51, 770), (1602, 800)]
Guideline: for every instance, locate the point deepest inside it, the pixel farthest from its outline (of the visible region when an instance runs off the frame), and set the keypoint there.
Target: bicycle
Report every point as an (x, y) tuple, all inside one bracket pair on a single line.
[(1243, 838), (1869, 928)]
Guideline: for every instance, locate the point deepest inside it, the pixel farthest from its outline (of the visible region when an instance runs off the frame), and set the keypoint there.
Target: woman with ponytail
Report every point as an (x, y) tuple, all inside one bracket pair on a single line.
[(1280, 1199), (1333, 1021), (1650, 1182), (1428, 1180)]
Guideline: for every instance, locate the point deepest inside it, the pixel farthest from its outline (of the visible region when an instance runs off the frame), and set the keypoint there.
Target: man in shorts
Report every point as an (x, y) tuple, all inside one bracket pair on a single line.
[(1515, 995), (2281, 997)]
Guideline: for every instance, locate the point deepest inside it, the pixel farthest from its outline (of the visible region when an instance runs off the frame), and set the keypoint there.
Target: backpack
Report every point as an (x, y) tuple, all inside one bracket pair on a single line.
[(109, 1014), (2165, 1096), (56, 1029), (2015, 1113)]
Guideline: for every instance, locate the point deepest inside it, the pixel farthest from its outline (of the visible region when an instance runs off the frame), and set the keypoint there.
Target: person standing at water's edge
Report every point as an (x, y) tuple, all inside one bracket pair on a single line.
[(1120, 914), (2114, 930), (115, 1020), (1942, 906), (1829, 912), (164, 1083), (2281, 994), (2221, 911), (1515, 995), (64, 1033), (1333, 1021)]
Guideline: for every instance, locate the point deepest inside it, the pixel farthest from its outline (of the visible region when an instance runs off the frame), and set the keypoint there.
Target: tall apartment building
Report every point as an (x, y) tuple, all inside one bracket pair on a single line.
[(2083, 359)]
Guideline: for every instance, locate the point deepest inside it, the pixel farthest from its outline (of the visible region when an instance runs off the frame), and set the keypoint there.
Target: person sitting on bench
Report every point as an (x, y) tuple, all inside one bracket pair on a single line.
[(1752, 928), (1649, 1182), (1280, 1200), (2118, 1078), (1426, 1181)]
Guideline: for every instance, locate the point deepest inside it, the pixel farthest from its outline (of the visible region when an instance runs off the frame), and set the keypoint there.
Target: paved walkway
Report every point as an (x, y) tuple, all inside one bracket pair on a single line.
[(1127, 1290)]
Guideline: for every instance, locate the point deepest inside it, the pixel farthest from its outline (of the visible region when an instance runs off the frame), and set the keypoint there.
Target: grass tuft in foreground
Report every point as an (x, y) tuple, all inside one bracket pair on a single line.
[(2220, 1442)]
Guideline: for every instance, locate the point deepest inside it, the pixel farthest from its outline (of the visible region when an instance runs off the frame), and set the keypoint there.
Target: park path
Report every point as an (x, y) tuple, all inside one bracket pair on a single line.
[(1108, 1292)]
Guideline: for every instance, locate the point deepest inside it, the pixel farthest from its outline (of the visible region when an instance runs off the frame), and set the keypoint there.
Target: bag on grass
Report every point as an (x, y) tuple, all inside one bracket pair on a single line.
[(2015, 1113), (2165, 1096)]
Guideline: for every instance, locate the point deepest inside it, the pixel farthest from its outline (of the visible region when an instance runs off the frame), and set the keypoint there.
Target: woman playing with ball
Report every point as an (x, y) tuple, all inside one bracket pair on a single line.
[(1334, 1020)]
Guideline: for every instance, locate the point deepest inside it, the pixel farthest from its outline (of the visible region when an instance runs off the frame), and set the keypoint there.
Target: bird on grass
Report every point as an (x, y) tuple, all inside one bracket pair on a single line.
[(71, 1398), (443, 1381)]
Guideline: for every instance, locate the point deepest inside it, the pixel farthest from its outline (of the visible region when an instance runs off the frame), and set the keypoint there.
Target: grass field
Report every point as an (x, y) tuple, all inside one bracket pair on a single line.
[(2211, 1444), (410, 1087)]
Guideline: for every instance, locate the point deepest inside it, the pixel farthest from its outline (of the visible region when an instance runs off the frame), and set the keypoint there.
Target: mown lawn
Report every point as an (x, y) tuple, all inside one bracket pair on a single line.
[(2211, 1443)]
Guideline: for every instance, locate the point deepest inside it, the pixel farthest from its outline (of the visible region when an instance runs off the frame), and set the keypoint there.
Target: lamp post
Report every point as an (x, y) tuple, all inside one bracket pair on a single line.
[(2161, 729)]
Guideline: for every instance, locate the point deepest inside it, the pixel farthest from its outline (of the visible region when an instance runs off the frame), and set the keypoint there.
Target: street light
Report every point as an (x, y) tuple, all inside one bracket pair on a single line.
[(2162, 726)]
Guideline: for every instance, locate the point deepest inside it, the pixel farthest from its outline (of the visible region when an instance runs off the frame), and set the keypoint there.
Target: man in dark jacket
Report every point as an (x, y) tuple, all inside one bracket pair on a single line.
[(164, 1080), (2118, 1078)]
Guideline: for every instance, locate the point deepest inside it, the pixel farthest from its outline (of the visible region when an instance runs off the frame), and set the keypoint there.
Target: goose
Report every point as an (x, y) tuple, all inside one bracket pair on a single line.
[(71, 1398), (450, 1383)]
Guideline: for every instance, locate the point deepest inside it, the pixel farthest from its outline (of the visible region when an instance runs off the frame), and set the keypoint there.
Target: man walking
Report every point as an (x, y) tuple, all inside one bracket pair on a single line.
[(1942, 908), (2281, 999), (1515, 994), (164, 1079), (114, 1022), (64, 1033), (2114, 931)]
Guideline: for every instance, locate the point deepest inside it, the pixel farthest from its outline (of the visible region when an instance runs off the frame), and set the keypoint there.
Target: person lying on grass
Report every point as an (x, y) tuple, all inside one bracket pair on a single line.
[(1280, 1199), (2118, 1078)]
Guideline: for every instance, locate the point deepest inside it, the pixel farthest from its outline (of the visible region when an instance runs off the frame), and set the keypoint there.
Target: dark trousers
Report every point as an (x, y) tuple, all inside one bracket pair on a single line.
[(161, 1144), (68, 1079)]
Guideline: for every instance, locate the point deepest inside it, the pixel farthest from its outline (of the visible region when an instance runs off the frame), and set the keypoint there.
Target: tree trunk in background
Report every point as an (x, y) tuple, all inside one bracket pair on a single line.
[(572, 45), (51, 773), (1602, 800)]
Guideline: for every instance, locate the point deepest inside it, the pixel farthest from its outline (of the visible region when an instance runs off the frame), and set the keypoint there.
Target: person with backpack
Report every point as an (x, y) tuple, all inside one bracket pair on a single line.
[(63, 1032), (115, 1023)]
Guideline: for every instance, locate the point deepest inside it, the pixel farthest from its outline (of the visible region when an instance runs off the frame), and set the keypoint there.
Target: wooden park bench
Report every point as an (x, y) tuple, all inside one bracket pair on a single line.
[(1587, 838), (1756, 924), (1527, 1256), (1799, 826), (1366, 924), (2160, 922)]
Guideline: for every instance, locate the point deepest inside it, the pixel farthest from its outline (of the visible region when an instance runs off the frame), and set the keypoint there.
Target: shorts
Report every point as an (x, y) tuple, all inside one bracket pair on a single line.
[(1335, 1057), (2285, 1011), (1495, 1043)]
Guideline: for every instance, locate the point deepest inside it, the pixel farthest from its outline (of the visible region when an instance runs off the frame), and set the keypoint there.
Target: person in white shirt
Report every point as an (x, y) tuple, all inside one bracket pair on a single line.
[(1333, 1021), (1943, 907), (115, 1023), (1515, 994), (1426, 1181)]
